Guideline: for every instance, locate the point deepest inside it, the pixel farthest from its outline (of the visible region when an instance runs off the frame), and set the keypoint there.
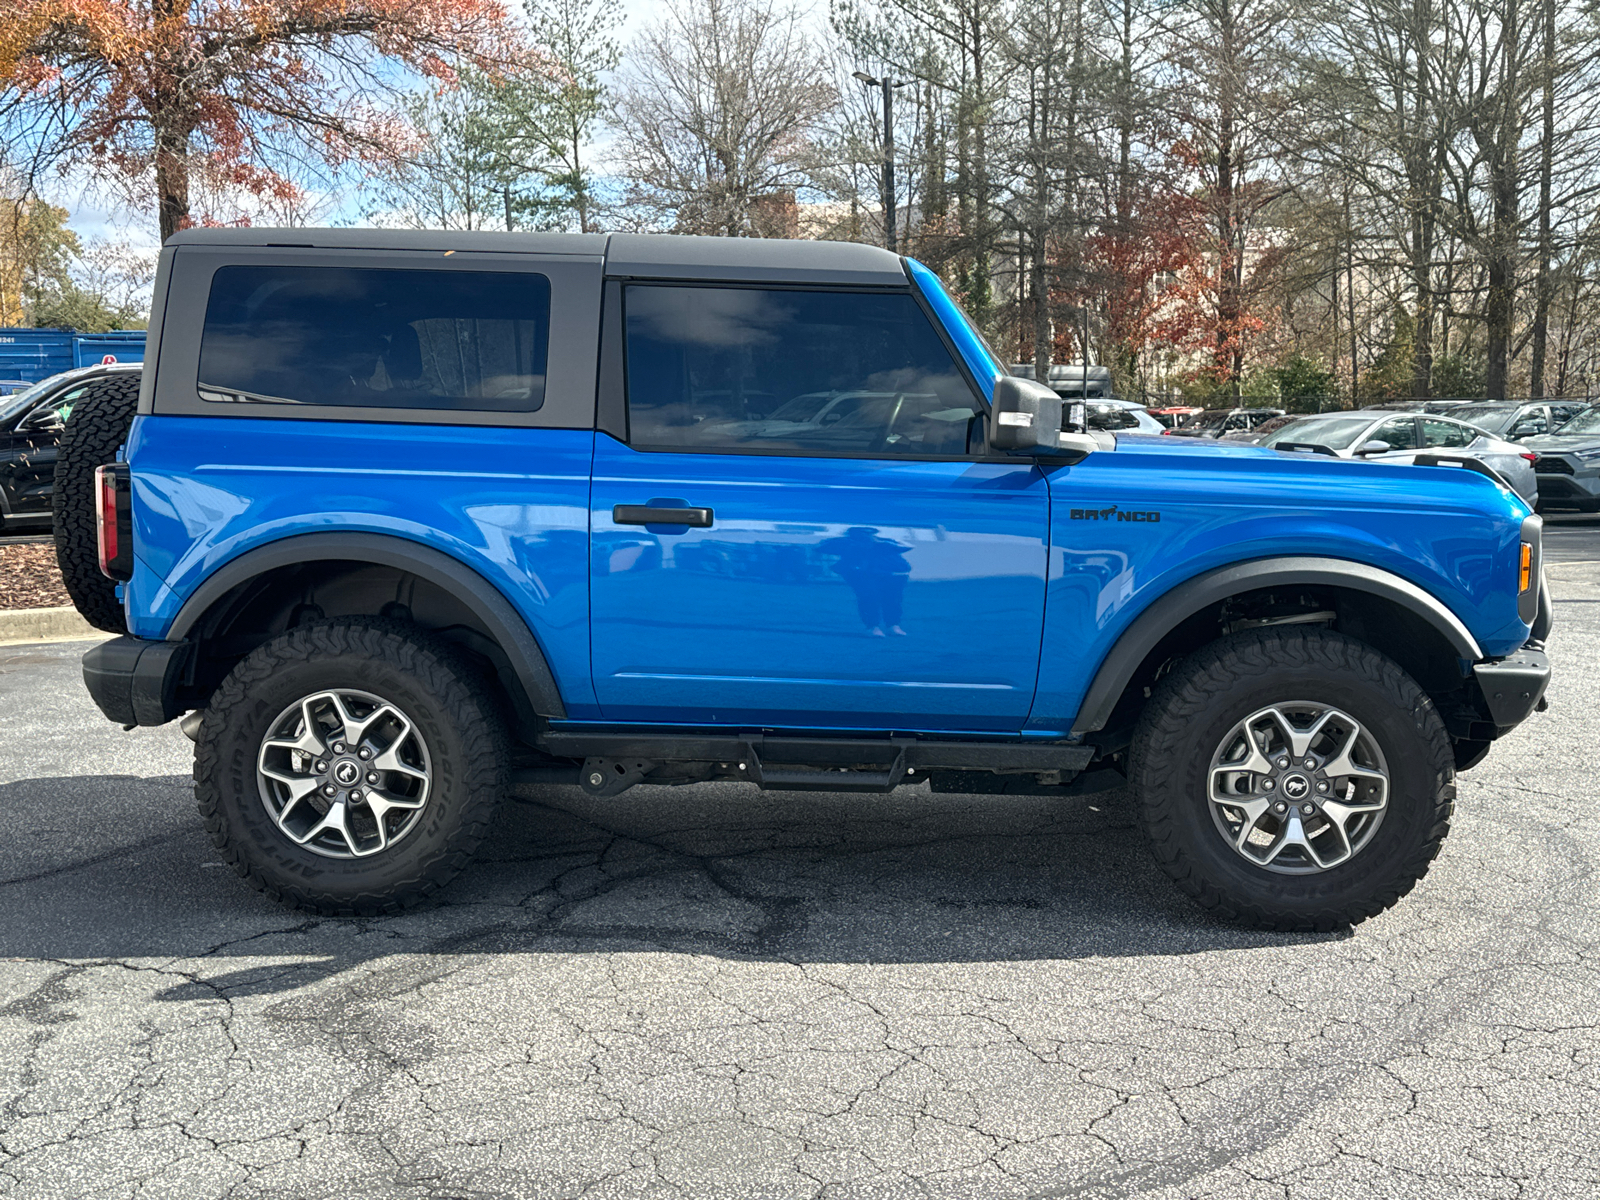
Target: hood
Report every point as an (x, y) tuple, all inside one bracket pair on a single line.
[(1205, 446), (1554, 443)]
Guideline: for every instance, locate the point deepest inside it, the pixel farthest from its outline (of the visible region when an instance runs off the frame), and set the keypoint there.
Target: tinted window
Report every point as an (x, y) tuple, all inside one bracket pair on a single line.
[(1400, 433), (1445, 433), (376, 338), (765, 369)]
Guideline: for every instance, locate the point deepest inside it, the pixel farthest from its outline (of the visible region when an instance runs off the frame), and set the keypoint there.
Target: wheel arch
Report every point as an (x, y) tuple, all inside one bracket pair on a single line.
[(234, 596), (1422, 628)]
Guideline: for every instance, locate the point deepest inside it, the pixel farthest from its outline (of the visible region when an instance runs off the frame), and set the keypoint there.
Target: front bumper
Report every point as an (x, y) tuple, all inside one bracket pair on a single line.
[(1513, 686), (1565, 479), (135, 680)]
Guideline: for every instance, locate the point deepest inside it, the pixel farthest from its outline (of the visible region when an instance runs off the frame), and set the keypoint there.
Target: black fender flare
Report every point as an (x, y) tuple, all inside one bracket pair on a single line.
[(1182, 602), (485, 601)]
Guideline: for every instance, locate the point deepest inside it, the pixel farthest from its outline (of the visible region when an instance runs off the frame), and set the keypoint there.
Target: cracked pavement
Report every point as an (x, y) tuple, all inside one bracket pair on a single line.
[(718, 992)]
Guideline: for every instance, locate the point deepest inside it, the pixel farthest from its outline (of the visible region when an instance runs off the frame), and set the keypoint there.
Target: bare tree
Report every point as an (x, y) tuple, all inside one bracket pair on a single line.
[(714, 112)]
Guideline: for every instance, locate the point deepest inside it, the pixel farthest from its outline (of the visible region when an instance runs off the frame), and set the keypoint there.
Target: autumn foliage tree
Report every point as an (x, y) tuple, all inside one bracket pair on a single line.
[(231, 96)]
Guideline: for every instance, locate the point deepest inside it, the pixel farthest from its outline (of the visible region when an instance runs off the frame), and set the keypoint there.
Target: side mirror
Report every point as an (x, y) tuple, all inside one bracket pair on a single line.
[(41, 420), (1025, 417), (1374, 447)]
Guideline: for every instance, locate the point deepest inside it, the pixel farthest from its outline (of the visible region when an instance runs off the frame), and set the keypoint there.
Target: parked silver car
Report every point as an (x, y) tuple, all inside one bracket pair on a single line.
[(1568, 463), (1389, 437)]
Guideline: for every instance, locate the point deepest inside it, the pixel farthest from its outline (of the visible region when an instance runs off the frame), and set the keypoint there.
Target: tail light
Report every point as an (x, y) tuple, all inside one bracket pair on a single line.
[(113, 513), (1530, 457)]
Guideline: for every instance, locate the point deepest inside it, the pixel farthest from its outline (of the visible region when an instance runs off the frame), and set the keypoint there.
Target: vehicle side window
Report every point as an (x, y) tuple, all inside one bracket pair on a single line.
[(1111, 418), (770, 370), (376, 338), (1560, 414), (1529, 424), (1399, 432), (1445, 433)]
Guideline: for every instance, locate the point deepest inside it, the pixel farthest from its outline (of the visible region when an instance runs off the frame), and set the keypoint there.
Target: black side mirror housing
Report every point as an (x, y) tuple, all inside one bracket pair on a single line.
[(41, 420), (1025, 417)]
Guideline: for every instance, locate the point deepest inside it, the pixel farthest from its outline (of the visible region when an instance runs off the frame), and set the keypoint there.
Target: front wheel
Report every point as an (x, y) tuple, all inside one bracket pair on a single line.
[(1293, 779), (350, 767)]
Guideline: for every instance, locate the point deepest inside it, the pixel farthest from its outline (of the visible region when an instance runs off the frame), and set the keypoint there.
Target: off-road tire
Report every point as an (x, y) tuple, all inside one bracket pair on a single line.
[(430, 681), (100, 420), (1189, 713)]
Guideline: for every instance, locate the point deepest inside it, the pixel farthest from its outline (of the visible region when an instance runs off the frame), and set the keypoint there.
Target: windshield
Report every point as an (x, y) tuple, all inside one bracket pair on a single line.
[(10, 406), (1334, 432), (1205, 420), (1588, 421), (1490, 417)]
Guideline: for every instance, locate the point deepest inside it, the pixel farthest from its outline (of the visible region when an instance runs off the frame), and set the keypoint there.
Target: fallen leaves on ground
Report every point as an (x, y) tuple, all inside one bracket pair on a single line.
[(29, 577)]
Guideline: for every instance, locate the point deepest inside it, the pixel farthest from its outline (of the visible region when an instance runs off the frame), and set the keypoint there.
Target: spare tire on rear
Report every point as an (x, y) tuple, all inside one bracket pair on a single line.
[(102, 415)]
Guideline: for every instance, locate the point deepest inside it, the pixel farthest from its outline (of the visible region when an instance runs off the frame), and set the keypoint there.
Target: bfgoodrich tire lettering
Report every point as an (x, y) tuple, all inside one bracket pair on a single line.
[(1196, 708), (424, 679)]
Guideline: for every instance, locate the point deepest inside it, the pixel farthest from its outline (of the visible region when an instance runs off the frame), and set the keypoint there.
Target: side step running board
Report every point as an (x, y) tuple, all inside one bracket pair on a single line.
[(616, 761)]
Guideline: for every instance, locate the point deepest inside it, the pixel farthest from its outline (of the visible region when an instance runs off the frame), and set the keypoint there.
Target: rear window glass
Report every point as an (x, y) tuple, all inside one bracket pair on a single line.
[(1336, 433), (376, 338)]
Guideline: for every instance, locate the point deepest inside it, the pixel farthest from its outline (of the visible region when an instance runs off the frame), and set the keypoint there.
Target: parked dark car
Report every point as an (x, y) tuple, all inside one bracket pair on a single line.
[(31, 424), (1216, 422), (1516, 420), (1254, 435)]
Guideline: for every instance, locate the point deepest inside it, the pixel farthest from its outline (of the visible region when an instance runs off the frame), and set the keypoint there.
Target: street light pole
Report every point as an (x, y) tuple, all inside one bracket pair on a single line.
[(886, 176), (889, 205)]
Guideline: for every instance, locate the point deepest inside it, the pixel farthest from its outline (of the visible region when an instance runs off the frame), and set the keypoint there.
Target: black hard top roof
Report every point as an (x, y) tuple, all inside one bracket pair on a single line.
[(626, 255)]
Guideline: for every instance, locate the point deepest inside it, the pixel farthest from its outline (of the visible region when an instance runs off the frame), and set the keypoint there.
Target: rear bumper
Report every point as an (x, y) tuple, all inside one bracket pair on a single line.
[(135, 680)]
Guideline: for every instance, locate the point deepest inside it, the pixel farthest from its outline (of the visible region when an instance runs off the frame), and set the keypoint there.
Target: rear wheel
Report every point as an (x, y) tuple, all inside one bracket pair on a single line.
[(350, 767), (1293, 779), (101, 417)]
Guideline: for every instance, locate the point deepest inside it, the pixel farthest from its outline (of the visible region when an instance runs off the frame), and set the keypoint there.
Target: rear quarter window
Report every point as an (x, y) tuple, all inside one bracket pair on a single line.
[(372, 337)]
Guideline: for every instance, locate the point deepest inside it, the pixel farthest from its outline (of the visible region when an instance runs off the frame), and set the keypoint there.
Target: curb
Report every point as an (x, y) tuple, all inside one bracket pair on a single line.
[(44, 625)]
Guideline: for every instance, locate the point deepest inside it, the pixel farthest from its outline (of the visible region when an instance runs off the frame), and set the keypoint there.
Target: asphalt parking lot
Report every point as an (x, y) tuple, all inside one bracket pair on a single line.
[(714, 992)]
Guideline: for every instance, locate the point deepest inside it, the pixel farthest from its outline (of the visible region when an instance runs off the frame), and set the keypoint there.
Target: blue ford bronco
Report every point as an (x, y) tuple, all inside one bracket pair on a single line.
[(393, 520)]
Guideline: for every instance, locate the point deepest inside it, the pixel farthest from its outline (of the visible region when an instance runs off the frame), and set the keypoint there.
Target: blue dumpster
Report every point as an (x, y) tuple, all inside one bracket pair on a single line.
[(35, 354)]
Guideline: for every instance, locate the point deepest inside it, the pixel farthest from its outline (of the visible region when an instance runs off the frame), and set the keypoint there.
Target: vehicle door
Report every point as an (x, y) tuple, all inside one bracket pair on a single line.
[(1531, 422), (878, 572), (28, 453), (1399, 432)]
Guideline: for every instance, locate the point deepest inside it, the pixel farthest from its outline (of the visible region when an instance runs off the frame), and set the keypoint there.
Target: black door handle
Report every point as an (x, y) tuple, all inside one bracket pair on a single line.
[(644, 514)]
